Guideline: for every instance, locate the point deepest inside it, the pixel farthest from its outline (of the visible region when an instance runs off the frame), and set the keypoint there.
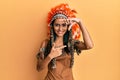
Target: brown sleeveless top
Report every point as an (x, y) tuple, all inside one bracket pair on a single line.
[(62, 70)]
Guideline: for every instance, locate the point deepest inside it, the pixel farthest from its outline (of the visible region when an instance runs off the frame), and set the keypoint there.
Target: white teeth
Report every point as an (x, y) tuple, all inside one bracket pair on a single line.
[(59, 32)]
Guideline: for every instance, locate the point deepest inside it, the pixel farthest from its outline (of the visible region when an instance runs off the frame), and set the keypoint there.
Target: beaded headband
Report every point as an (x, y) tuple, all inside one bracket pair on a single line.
[(64, 11), (58, 16)]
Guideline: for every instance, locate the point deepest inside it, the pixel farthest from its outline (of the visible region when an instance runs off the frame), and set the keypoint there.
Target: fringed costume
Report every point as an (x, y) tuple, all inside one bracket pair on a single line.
[(60, 68)]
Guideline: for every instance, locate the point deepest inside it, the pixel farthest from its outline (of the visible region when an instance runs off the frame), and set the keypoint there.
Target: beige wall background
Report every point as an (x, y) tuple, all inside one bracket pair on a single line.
[(23, 27)]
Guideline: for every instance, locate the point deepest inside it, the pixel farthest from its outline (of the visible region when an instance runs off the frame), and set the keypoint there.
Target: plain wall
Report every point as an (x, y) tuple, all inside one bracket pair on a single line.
[(23, 27)]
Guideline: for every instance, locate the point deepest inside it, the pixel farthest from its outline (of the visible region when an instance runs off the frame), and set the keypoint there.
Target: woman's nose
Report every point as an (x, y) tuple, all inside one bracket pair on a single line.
[(60, 28)]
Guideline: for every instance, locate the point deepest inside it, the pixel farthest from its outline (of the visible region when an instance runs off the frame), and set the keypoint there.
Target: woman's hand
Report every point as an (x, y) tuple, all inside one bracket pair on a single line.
[(55, 52), (72, 21)]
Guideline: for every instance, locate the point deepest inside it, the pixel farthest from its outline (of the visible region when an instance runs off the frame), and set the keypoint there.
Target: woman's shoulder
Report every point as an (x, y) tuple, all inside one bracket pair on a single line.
[(44, 42)]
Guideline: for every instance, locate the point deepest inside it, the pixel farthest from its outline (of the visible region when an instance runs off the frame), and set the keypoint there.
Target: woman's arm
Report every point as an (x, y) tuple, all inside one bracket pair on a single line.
[(41, 61), (87, 41)]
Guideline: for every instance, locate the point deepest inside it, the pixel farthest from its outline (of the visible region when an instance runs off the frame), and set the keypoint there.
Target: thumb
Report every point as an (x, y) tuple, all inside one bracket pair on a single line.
[(71, 26), (53, 45)]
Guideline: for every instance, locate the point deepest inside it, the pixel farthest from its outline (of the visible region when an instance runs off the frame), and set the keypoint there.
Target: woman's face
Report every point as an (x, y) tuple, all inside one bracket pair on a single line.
[(60, 27)]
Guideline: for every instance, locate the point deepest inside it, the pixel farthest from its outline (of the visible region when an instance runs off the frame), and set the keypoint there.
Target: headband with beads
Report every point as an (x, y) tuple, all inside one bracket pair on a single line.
[(57, 16)]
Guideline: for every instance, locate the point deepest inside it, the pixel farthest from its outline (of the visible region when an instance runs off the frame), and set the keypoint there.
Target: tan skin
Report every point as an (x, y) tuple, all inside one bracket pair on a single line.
[(60, 29)]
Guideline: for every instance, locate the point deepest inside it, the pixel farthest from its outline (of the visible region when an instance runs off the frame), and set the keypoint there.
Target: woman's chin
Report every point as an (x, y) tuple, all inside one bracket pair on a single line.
[(60, 35)]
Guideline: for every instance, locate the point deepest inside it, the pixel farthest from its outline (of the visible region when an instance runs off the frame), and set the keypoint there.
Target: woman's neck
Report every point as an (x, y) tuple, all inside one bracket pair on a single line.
[(59, 41)]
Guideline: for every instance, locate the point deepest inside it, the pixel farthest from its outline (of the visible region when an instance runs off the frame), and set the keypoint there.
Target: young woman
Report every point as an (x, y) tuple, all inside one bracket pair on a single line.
[(57, 52)]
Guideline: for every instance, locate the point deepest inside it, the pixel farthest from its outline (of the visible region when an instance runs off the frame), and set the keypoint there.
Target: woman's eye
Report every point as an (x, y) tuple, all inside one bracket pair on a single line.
[(56, 24), (63, 25)]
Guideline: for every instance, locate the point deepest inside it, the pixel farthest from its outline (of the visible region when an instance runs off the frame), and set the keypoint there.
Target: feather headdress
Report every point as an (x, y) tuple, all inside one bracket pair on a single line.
[(63, 10)]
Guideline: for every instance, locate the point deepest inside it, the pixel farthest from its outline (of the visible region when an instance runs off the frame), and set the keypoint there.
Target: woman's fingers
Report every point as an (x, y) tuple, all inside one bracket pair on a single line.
[(71, 22), (60, 48), (71, 26), (53, 46), (75, 19)]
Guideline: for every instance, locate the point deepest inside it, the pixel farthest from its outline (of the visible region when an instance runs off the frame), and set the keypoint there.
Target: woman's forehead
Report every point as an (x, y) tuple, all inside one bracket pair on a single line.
[(60, 20)]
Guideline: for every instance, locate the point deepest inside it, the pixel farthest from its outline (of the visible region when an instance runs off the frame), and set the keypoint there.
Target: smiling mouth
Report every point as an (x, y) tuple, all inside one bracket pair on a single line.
[(60, 32)]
